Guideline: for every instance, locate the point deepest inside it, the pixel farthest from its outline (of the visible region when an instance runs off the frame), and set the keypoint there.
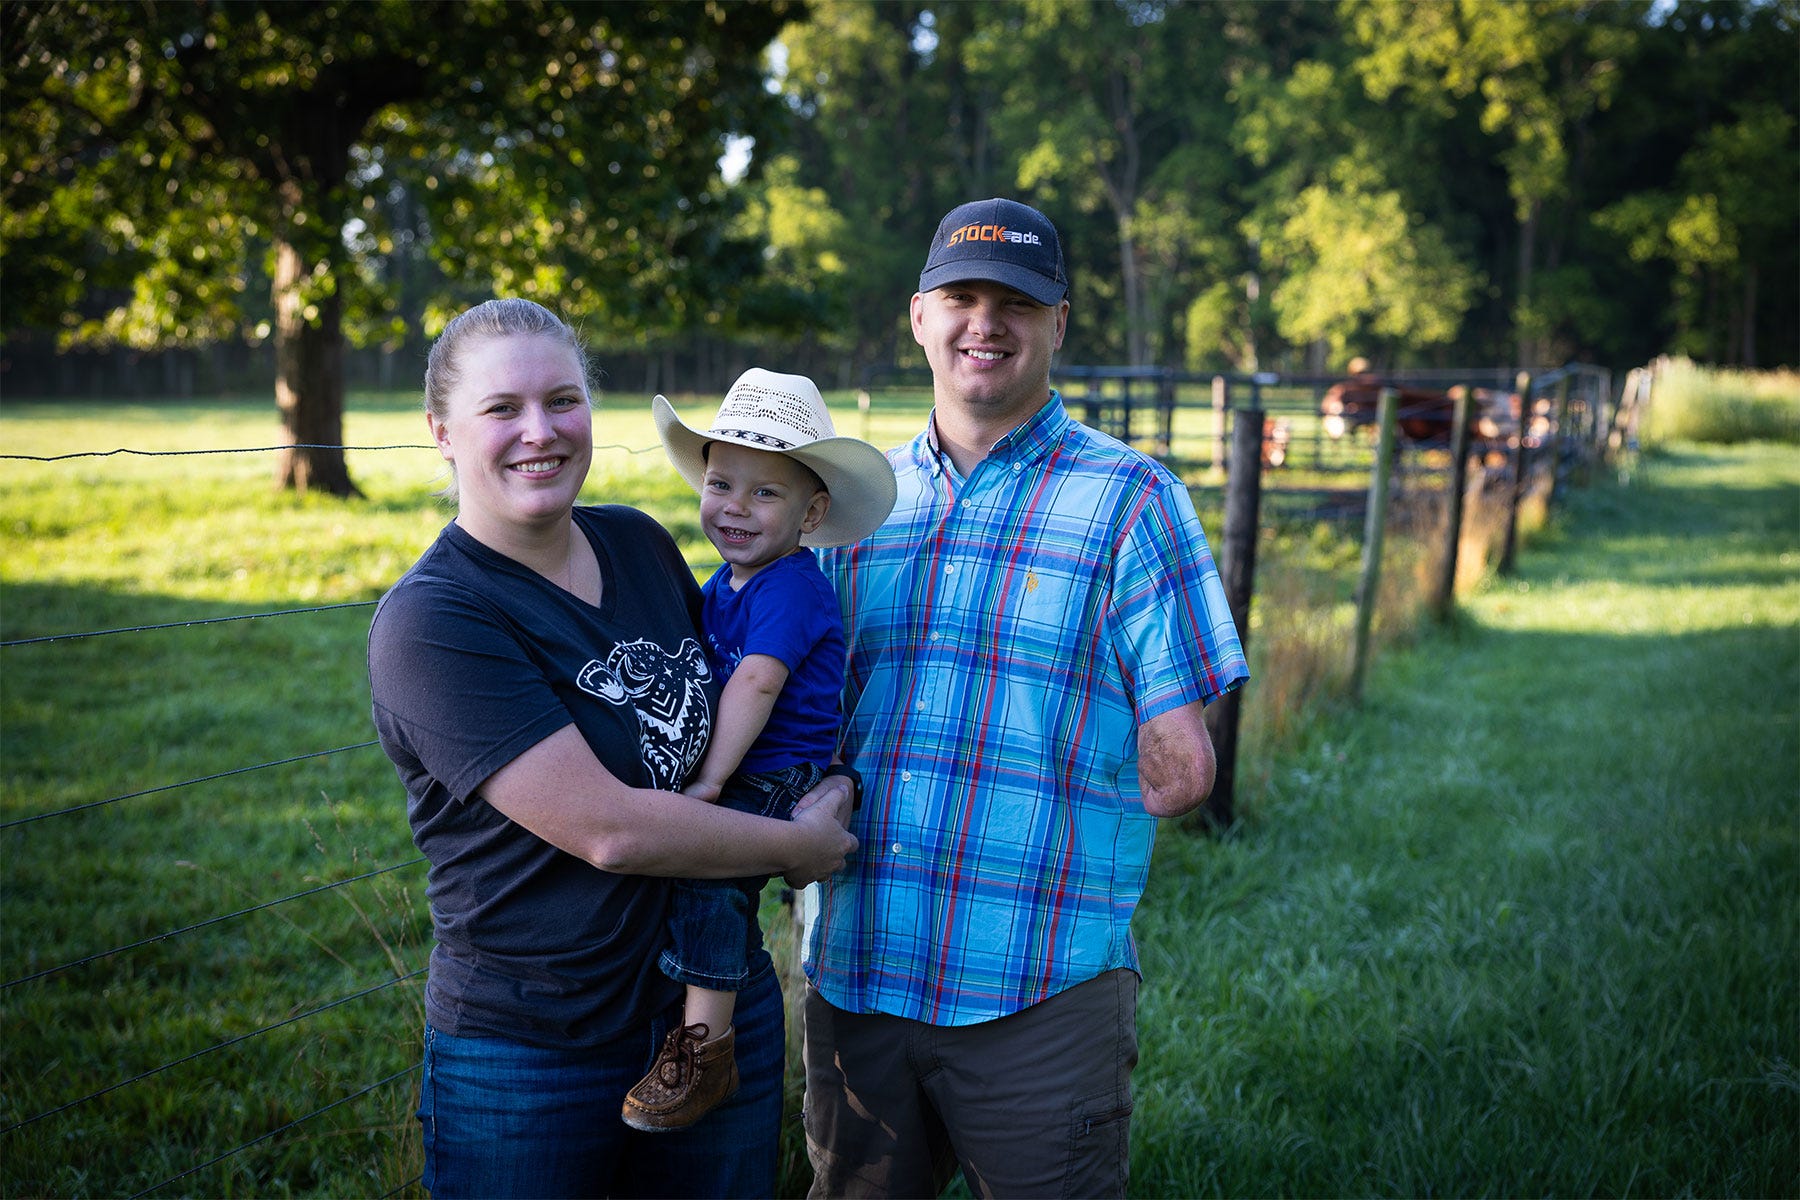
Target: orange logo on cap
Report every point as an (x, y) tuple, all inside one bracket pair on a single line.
[(992, 233)]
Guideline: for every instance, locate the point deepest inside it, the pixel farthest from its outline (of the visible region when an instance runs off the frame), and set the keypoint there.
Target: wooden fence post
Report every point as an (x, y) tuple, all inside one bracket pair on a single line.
[(1622, 414), (1443, 595), (1237, 562), (1368, 585), (1221, 401), (1559, 441), (1165, 413), (1507, 548)]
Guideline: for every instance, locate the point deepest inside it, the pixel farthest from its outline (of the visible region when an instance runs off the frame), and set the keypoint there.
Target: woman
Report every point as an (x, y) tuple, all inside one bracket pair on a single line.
[(539, 687)]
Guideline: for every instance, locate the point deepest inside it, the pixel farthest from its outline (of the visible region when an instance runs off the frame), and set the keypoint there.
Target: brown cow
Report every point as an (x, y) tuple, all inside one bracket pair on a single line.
[(1421, 415), (1276, 434), (1427, 418), (1494, 432)]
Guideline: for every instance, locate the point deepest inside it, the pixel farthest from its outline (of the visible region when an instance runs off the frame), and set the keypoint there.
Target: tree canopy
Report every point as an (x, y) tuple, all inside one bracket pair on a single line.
[(157, 158), (1257, 184), (1248, 184)]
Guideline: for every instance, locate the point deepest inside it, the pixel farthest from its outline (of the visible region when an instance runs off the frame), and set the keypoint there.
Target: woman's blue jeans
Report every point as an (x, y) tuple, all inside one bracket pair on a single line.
[(501, 1118)]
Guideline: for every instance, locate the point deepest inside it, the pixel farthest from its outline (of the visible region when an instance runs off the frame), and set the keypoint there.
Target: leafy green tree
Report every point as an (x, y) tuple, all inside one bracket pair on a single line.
[(1361, 270), (891, 130), (1354, 211), (1536, 73), (1118, 110), (1709, 195), (1110, 116), (152, 153)]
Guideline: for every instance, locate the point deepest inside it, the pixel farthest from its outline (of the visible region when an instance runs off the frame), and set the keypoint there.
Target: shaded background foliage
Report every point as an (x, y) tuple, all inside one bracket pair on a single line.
[(1244, 184)]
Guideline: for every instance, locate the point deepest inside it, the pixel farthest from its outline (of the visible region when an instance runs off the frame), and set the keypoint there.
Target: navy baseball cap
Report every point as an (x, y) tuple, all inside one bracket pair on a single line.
[(1002, 241)]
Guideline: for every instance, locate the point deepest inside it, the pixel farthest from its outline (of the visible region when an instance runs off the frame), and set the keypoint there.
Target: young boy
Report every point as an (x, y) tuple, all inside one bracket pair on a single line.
[(773, 479)]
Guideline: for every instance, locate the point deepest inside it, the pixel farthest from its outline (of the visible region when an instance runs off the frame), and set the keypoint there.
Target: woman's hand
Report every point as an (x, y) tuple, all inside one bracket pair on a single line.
[(824, 814)]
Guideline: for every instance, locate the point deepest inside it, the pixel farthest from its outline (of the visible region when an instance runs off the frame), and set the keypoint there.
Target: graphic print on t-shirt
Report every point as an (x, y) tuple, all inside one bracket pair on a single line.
[(666, 692)]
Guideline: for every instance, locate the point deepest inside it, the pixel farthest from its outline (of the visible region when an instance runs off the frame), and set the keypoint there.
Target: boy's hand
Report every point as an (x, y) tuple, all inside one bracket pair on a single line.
[(831, 789)]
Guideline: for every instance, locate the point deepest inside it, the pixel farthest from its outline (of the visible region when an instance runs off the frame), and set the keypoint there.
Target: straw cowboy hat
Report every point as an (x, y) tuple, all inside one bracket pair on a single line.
[(786, 415)]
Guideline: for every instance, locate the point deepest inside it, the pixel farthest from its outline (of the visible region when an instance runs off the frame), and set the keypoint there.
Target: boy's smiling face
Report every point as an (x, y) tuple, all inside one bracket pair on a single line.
[(755, 505)]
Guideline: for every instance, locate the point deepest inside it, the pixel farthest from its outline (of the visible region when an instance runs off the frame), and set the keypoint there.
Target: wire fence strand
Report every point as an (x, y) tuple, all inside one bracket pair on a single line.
[(169, 787), (50, 458), (317, 1112), (242, 1037), (180, 453), (210, 921), (280, 612)]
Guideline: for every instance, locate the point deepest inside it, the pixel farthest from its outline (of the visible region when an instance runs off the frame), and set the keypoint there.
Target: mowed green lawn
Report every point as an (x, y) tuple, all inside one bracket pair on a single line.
[(1526, 922)]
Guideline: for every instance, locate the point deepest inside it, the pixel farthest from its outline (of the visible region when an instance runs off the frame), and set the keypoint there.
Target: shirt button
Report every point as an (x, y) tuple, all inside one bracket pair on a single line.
[(935, 635), (968, 504), (906, 777), (1017, 467), (898, 848), (949, 568)]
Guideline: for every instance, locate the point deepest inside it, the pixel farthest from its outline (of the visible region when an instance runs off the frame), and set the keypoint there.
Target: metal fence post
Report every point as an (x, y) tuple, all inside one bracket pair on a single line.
[(1559, 440), (1220, 403)]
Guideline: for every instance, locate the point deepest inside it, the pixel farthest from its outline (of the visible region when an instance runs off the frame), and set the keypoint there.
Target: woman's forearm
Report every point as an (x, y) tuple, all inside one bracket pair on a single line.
[(560, 791)]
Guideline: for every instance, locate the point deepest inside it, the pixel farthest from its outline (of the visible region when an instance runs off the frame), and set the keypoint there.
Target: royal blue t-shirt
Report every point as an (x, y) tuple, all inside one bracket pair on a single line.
[(788, 611)]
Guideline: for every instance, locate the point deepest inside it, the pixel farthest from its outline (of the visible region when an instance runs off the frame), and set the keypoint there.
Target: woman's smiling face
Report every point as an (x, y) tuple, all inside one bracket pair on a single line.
[(518, 432)]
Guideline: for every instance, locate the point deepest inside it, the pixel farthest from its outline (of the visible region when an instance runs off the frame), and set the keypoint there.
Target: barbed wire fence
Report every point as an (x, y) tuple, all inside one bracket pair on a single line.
[(34, 1106), (37, 1107)]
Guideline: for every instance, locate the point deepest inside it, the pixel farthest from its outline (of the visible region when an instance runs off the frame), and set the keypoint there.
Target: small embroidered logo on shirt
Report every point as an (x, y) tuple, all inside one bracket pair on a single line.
[(1031, 581)]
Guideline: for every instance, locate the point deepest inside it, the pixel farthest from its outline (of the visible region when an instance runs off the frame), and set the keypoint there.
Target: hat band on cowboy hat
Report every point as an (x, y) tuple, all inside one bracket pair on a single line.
[(785, 414)]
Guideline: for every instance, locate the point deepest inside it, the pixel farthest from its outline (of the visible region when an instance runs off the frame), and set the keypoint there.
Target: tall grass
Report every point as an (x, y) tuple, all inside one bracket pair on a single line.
[(1303, 616), (1450, 948), (1692, 403)]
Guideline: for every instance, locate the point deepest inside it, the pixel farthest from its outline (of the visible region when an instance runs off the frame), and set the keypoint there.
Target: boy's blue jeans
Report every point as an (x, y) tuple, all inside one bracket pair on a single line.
[(712, 922)]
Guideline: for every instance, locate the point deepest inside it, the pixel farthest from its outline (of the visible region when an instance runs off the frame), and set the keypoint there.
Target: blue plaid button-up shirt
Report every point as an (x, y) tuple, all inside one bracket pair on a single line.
[(1008, 634)]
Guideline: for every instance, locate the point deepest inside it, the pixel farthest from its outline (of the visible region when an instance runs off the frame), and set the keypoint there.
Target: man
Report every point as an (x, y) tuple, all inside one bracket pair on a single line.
[(1033, 635)]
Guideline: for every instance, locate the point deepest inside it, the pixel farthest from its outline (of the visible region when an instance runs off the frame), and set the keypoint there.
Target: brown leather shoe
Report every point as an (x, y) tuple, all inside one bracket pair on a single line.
[(689, 1078)]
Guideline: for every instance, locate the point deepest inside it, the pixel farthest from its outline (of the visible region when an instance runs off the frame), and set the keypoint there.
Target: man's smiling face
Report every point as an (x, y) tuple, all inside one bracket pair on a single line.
[(989, 347)]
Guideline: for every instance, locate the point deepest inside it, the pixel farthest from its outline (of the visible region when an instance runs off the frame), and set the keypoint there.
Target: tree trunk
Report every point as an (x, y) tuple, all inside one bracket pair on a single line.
[(1133, 291), (309, 381), (1749, 354), (1527, 338)]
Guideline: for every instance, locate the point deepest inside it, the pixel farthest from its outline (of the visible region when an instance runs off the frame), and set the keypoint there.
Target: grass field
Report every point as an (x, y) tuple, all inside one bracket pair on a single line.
[(1528, 922), (1524, 922)]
